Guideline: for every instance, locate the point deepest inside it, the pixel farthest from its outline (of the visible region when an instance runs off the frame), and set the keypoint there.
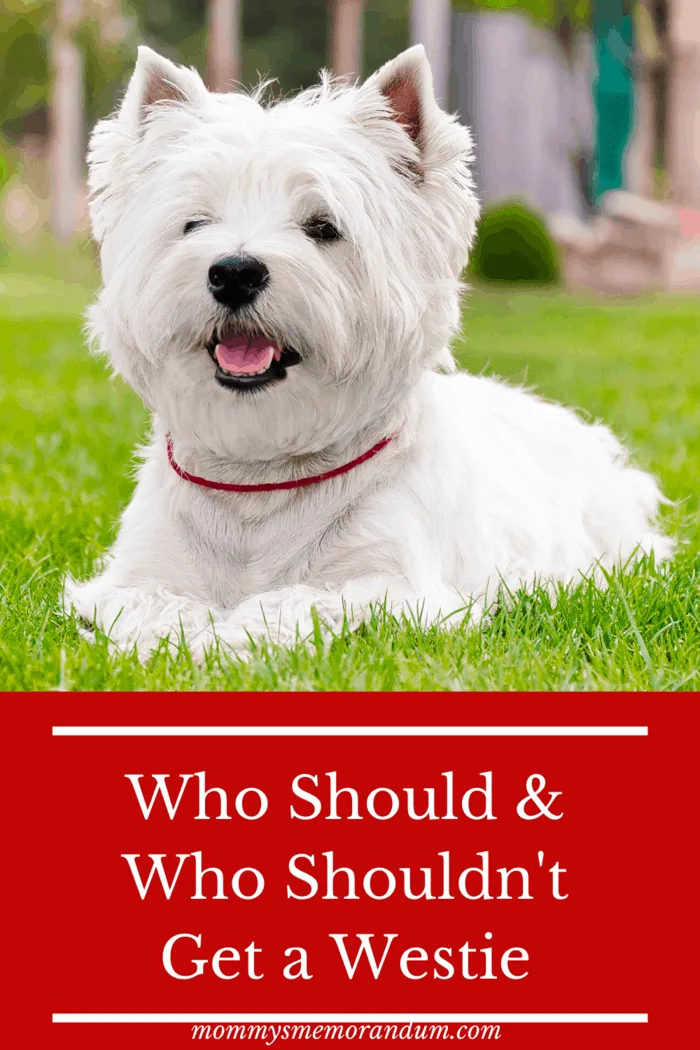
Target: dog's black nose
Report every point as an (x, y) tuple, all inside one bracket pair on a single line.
[(236, 281)]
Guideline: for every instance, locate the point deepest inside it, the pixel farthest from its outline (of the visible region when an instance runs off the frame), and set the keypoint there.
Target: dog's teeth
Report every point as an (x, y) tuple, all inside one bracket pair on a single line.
[(259, 372)]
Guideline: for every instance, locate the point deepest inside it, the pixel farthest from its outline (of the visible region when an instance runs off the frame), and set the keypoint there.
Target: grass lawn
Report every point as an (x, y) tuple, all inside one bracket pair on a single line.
[(67, 434)]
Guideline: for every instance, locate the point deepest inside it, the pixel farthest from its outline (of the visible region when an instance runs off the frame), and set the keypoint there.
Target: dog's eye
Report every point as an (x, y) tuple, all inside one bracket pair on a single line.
[(321, 230), (194, 224)]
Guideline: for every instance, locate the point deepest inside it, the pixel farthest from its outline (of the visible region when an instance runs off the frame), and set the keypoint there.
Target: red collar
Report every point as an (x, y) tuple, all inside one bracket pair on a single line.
[(274, 486)]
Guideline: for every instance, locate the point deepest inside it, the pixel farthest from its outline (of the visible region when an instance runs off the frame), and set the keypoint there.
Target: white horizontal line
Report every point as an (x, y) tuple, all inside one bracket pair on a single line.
[(349, 1018), (350, 730)]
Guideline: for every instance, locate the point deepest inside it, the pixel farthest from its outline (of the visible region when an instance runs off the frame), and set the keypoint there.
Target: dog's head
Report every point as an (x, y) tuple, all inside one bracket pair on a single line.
[(277, 276)]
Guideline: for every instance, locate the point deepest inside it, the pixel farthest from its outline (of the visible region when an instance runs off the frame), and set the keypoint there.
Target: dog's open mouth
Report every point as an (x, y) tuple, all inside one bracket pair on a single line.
[(245, 362)]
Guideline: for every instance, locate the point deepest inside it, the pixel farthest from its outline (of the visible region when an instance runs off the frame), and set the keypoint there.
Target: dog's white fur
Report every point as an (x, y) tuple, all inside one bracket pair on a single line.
[(483, 482)]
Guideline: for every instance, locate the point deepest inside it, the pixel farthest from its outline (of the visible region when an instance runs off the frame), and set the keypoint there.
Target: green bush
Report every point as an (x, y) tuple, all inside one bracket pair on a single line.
[(512, 244), (550, 12)]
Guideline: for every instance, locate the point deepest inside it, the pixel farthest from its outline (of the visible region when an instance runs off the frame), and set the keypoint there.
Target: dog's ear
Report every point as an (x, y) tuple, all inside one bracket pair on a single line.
[(157, 80), (406, 83), (397, 110), (401, 95)]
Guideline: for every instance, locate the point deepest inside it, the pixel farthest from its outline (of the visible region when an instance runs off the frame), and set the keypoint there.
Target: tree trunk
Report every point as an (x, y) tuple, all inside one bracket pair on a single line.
[(684, 102), (431, 25), (346, 37), (223, 50), (66, 121), (639, 160)]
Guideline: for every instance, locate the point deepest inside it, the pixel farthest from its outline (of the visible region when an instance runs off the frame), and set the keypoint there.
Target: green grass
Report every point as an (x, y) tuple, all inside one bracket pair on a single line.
[(67, 435)]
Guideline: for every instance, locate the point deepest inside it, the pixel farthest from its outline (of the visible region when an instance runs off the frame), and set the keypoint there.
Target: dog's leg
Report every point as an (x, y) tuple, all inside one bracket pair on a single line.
[(139, 616), (145, 615), (285, 616), (142, 616)]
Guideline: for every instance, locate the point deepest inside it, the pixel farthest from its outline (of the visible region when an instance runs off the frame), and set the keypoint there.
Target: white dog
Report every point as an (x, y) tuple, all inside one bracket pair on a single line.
[(281, 284)]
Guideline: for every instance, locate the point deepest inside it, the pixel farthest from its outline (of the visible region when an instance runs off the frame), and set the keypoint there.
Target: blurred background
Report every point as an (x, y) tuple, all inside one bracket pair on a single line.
[(586, 113)]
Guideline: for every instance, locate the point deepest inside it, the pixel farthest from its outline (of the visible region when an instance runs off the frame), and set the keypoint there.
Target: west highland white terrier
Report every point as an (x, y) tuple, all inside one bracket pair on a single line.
[(281, 284)]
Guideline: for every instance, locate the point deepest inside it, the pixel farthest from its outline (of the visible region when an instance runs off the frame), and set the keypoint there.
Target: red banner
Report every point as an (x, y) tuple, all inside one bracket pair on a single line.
[(350, 868)]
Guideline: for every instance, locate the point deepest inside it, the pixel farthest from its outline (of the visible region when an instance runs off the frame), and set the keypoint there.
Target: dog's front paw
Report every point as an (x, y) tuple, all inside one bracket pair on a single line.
[(287, 616), (222, 638), (142, 618)]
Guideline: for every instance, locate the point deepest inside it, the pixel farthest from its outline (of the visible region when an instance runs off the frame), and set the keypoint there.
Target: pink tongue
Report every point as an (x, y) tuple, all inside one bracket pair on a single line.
[(239, 354)]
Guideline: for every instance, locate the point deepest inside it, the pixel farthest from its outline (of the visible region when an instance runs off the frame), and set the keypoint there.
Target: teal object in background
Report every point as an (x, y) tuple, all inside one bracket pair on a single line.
[(613, 92)]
